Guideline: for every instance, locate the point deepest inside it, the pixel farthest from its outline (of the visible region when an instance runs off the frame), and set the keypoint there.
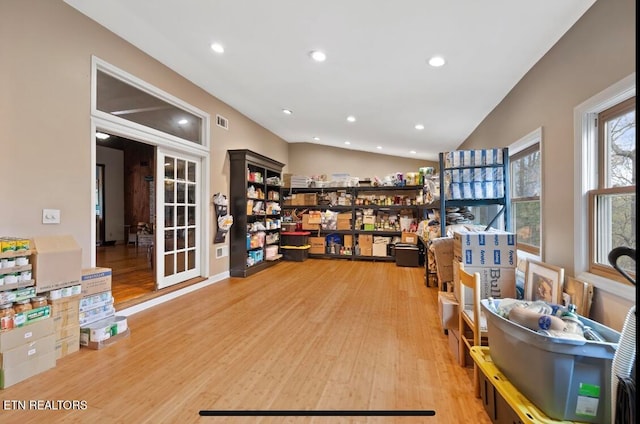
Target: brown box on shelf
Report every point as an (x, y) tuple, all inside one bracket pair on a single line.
[(286, 180), (306, 225), (366, 250), (57, 263), (317, 245), (348, 240), (95, 280), (411, 238), (365, 240), (310, 199), (343, 225), (344, 216)]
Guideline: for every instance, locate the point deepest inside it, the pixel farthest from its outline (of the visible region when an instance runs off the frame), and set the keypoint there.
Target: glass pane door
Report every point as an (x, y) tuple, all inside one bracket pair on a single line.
[(178, 255)]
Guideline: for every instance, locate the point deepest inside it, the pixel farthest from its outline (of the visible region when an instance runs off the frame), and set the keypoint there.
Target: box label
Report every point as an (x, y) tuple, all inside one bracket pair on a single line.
[(588, 399)]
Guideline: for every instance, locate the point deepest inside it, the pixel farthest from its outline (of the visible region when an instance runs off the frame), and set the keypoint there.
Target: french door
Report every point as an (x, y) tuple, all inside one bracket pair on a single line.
[(178, 217)]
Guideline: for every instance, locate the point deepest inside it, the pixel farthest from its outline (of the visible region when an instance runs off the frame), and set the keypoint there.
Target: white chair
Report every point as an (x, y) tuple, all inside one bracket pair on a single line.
[(472, 324)]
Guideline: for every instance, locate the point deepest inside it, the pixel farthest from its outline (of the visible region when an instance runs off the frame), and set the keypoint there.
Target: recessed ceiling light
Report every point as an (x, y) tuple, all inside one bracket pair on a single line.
[(436, 61), (217, 47), (287, 111), (413, 152), (316, 138), (419, 127), (183, 122), (379, 147), (102, 136), (347, 142), (351, 118), (318, 56)]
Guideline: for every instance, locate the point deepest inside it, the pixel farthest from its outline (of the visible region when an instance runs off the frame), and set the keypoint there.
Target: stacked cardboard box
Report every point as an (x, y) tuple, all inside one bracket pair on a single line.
[(26, 351), (365, 241), (490, 253), (66, 321), (97, 301), (344, 221)]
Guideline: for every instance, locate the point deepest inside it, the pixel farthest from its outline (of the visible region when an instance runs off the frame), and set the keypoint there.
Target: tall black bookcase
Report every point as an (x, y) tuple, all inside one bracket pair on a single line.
[(250, 169)]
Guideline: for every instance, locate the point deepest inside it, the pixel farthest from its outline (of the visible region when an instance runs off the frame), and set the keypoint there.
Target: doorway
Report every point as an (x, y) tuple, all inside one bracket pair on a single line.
[(126, 213)]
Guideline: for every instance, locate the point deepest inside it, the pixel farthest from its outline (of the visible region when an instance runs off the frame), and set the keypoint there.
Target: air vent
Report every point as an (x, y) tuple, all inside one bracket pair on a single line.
[(222, 122), (222, 251)]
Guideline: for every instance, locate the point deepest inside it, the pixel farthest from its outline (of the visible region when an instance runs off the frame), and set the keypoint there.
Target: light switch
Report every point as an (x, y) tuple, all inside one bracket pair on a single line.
[(50, 216)]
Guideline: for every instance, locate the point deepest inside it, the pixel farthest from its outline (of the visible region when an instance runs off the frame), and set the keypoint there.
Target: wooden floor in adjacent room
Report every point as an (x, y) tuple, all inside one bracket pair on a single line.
[(319, 335)]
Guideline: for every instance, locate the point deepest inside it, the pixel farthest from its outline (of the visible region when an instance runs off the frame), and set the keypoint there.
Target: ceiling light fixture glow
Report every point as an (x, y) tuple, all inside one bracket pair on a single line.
[(217, 47), (318, 56), (419, 127), (183, 122), (102, 136), (379, 147), (347, 142), (351, 118), (316, 138), (436, 61), (287, 111), (413, 152)]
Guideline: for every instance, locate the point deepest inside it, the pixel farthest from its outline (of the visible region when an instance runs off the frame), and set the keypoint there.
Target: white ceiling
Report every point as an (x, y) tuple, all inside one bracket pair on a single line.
[(376, 67)]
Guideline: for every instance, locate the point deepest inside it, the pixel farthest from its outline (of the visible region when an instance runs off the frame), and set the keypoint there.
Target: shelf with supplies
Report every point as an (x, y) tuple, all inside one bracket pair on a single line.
[(255, 193), (474, 178), (360, 222)]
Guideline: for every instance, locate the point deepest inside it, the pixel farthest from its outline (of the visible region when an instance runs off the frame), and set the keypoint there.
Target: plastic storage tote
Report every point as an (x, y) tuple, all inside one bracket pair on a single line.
[(567, 379)]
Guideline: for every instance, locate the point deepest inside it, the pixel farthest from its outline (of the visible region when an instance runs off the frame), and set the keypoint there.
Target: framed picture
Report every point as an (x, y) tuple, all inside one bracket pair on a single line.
[(580, 294), (543, 282)]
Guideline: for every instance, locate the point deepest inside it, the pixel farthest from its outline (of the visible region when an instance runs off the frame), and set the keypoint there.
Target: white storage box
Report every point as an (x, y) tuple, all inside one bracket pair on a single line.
[(567, 379)]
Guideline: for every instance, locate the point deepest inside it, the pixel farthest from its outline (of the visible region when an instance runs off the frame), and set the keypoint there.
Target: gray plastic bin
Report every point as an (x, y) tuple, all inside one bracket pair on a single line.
[(566, 379)]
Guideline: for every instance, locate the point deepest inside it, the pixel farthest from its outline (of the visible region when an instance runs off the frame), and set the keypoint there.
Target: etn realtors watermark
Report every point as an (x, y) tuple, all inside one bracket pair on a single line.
[(44, 405)]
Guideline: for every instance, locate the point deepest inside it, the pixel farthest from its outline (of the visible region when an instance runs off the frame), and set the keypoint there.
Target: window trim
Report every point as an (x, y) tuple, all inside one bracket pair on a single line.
[(585, 158), (519, 148), (594, 267)]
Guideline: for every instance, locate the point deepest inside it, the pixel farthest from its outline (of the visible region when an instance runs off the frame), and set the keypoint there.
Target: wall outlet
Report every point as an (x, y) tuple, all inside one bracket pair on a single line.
[(50, 216)]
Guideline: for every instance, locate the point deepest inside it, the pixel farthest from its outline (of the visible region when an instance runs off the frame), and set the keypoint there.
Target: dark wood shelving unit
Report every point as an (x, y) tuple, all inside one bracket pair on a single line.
[(244, 165)]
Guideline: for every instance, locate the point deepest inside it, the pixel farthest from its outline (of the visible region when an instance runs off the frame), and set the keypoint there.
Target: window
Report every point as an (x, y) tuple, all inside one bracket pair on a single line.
[(525, 198), (612, 204)]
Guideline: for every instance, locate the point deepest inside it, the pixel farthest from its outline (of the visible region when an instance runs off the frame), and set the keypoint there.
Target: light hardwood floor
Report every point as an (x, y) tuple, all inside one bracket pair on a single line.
[(313, 335)]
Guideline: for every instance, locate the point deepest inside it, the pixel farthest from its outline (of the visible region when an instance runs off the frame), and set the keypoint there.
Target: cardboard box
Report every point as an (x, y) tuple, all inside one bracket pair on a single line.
[(379, 249), (306, 225), (366, 250), (317, 245), (496, 282), (24, 352), (485, 248), (67, 345), (365, 240), (95, 280), (57, 262), (18, 336), (343, 225), (454, 339), (448, 310), (344, 216), (443, 254), (111, 340), (29, 368), (411, 238), (65, 306), (348, 240)]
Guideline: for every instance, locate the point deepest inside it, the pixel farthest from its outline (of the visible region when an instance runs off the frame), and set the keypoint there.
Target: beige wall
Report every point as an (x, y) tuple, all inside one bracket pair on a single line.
[(45, 160), (314, 159), (597, 52)]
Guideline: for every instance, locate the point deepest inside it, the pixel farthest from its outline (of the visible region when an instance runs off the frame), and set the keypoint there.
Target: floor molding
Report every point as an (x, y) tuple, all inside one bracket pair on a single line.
[(169, 296)]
